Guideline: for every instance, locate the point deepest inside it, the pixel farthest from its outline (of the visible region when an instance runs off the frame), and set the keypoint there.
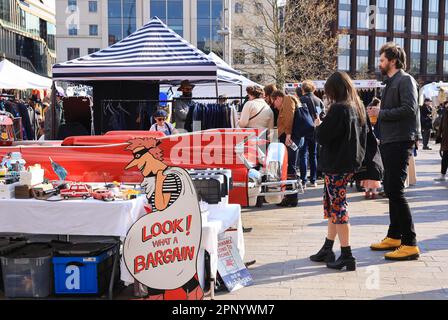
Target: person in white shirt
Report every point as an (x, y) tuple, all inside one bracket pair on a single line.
[(167, 128), (256, 112)]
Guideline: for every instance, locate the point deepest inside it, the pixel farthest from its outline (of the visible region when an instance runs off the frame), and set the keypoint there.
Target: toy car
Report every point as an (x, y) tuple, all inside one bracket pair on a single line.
[(77, 191), (129, 194), (103, 194)]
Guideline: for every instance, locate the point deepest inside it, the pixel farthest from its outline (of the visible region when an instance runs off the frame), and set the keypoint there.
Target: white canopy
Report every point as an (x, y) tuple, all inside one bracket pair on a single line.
[(359, 84), (15, 77)]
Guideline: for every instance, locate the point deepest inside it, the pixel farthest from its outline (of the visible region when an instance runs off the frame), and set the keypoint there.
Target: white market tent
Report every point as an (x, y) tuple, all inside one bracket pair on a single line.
[(154, 52), (14, 77)]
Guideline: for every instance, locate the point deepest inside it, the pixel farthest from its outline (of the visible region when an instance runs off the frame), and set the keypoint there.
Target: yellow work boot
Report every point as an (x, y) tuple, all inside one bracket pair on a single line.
[(386, 245), (404, 253)]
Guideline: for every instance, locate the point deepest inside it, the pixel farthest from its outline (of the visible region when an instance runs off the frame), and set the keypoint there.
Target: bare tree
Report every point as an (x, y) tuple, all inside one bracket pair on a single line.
[(293, 38)]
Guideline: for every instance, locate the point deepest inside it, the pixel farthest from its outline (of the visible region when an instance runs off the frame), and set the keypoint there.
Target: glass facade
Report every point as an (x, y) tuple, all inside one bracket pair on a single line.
[(28, 40), (399, 41), (417, 13), (121, 19), (445, 58), (344, 52), (416, 46), (363, 18), (381, 15), (433, 17), (379, 41), (399, 18), (170, 12), (362, 53), (209, 13), (344, 13), (432, 57)]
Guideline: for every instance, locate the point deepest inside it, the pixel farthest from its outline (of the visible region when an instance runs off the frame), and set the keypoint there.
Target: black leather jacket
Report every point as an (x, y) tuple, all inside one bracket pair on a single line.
[(399, 109)]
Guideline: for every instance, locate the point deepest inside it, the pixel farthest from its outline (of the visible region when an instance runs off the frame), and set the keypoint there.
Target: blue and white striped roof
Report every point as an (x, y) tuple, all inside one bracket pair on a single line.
[(154, 52)]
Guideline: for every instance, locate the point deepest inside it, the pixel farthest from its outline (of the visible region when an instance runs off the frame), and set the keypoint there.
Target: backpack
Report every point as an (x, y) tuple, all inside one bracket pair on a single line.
[(303, 124)]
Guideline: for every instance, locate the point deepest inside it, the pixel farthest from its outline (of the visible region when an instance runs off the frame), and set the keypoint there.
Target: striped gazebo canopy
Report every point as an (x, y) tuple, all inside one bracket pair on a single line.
[(154, 52)]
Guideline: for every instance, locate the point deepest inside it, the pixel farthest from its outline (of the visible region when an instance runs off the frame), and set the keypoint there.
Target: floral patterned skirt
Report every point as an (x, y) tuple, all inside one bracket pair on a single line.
[(335, 197)]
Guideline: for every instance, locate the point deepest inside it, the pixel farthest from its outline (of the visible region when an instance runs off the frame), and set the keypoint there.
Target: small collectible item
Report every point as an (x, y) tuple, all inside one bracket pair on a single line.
[(103, 194), (43, 191), (77, 190), (23, 192)]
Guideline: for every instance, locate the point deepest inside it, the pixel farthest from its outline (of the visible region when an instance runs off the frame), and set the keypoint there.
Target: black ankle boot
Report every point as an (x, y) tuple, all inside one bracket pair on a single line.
[(345, 260), (325, 254)]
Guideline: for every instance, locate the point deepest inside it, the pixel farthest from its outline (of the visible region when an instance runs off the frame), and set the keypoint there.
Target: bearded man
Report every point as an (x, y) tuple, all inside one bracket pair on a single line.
[(397, 118)]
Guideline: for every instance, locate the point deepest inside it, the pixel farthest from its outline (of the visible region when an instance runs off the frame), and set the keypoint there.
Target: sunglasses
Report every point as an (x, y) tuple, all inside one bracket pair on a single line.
[(160, 119)]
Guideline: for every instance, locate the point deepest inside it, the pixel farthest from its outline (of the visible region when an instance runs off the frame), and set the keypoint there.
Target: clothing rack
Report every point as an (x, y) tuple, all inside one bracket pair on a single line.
[(173, 100)]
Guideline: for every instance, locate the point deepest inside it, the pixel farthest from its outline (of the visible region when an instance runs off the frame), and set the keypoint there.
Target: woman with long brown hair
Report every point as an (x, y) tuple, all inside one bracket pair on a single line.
[(342, 135)]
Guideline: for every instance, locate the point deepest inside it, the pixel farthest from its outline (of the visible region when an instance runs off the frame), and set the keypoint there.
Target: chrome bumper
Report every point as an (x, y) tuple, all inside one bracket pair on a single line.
[(294, 185)]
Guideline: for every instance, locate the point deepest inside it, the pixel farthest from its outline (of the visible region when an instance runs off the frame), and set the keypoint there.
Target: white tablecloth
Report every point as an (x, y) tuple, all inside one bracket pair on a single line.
[(98, 218)]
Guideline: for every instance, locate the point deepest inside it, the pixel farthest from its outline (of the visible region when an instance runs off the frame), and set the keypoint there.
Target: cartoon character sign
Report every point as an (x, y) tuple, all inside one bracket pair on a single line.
[(161, 248)]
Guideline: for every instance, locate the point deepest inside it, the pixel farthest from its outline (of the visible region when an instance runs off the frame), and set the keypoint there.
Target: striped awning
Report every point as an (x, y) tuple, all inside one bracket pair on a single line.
[(154, 52)]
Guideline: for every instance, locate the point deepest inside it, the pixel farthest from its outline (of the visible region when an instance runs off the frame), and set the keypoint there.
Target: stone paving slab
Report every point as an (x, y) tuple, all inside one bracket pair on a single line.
[(283, 238)]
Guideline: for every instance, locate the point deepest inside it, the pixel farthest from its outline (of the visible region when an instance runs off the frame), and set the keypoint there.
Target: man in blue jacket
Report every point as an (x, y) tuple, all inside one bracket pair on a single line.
[(397, 119)]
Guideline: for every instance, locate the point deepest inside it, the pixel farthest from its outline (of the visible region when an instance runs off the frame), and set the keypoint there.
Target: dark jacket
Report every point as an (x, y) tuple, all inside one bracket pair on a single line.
[(313, 103), (372, 166), (426, 117), (399, 107), (442, 133), (343, 140)]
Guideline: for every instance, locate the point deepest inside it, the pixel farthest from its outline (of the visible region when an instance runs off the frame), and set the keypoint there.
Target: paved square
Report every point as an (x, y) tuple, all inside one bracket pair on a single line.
[(283, 238)]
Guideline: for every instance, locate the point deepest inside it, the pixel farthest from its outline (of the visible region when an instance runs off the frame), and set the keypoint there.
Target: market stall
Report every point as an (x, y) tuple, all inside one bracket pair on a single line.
[(15, 77)]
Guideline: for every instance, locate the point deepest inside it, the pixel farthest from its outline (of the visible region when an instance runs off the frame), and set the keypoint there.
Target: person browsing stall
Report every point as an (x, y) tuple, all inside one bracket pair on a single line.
[(161, 124), (256, 112), (343, 137)]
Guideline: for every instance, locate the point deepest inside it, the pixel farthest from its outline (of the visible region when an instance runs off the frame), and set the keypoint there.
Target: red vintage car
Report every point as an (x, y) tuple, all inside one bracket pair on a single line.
[(77, 190), (258, 168), (103, 194)]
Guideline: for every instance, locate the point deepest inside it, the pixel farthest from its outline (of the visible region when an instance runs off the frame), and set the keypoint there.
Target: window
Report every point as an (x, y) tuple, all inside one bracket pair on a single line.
[(399, 41), (239, 32), (73, 30), (93, 29), (258, 57), (209, 15), (92, 50), (344, 13), (72, 5), (238, 7), (381, 15), (417, 13), (433, 17), (239, 56), (416, 46), (362, 53), (93, 6), (445, 58), (432, 57), (72, 53), (121, 19), (170, 12), (446, 17), (379, 42), (344, 52), (363, 18), (399, 18)]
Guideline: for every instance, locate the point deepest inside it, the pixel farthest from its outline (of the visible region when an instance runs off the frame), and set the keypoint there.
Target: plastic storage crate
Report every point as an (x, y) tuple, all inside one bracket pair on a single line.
[(27, 271), (7, 246), (83, 268)]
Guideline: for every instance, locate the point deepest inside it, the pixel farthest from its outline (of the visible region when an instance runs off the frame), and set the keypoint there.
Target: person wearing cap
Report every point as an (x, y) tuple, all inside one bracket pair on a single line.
[(182, 105), (426, 122), (161, 124)]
